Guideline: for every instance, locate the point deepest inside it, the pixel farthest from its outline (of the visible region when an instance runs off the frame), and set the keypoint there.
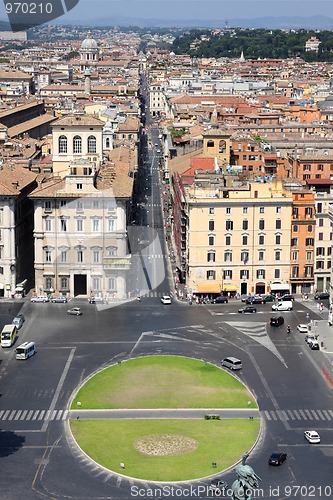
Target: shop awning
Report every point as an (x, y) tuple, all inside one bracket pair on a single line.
[(230, 288), (209, 288), (279, 287)]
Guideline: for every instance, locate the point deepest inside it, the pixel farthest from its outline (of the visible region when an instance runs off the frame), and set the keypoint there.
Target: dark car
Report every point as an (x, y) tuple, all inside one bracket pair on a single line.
[(287, 296), (61, 299), (249, 297), (269, 298), (277, 458), (276, 321), (96, 300), (247, 310), (322, 296), (220, 300), (255, 300), (217, 486), (315, 346)]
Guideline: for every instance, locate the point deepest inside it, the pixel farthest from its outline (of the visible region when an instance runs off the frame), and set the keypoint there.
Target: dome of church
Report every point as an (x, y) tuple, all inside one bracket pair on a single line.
[(89, 43)]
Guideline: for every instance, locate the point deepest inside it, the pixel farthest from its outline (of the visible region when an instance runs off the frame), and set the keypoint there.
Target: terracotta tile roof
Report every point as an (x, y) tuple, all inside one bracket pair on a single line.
[(48, 187), (30, 124), (78, 120), (13, 179), (16, 109), (14, 75)]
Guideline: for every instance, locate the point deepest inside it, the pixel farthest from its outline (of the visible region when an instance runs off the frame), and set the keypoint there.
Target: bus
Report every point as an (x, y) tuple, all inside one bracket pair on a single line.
[(25, 350), (8, 335)]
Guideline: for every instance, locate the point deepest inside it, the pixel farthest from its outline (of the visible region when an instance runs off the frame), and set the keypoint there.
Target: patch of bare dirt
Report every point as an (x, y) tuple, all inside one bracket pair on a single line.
[(159, 445)]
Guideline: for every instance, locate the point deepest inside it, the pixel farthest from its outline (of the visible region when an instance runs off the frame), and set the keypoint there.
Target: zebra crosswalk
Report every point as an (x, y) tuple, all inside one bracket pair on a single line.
[(304, 414), (33, 415), (272, 415)]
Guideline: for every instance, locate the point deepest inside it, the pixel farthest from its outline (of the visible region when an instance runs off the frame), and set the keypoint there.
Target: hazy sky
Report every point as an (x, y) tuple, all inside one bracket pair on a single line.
[(88, 10), (201, 9)]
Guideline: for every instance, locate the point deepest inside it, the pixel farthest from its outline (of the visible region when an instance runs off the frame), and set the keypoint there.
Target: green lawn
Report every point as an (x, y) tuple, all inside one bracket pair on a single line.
[(110, 442), (163, 382)]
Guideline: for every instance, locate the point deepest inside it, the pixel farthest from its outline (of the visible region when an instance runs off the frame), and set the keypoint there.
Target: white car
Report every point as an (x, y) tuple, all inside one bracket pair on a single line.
[(40, 298), (303, 328), (312, 436), (309, 339), (166, 299)]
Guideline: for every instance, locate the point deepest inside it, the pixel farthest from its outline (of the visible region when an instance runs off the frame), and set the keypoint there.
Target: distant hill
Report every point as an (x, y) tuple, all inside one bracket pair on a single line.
[(283, 22), (5, 26)]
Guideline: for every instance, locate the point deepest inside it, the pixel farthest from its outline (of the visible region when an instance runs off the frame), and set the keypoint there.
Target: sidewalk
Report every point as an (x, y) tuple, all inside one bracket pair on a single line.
[(320, 327)]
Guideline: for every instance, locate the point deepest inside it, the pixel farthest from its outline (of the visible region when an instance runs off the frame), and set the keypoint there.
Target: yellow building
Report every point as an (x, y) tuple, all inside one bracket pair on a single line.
[(238, 237)]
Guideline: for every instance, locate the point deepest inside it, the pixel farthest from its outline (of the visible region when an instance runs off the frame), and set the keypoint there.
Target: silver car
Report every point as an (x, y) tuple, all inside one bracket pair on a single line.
[(40, 298), (18, 321)]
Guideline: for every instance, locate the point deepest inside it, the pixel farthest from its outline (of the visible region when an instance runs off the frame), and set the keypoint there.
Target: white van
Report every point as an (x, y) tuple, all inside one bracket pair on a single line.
[(25, 350), (286, 305), (232, 363)]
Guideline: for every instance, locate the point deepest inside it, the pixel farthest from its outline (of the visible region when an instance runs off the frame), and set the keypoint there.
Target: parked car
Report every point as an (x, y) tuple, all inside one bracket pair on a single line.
[(244, 299), (217, 486), (314, 345), (302, 328), (312, 436), (277, 458), (322, 296), (95, 300), (166, 299), (287, 296), (220, 300), (247, 310), (276, 321), (75, 311), (310, 338), (18, 321), (258, 299), (40, 298), (269, 298), (61, 299)]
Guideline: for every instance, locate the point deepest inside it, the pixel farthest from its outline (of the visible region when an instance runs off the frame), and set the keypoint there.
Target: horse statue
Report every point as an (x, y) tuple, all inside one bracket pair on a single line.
[(246, 482)]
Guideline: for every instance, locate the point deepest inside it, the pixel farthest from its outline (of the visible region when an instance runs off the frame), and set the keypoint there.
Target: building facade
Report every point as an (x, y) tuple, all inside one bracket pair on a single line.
[(80, 235), (238, 237)]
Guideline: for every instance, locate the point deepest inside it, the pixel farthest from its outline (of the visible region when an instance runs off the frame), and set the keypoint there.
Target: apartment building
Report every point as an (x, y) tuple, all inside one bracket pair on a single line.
[(156, 98), (323, 198), (238, 235), (80, 231), (303, 227), (16, 227)]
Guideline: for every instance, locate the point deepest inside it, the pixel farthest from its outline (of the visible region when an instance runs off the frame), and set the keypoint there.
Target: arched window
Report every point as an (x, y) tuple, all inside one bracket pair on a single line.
[(210, 144), (77, 144), (107, 142), (222, 147), (91, 144), (62, 144)]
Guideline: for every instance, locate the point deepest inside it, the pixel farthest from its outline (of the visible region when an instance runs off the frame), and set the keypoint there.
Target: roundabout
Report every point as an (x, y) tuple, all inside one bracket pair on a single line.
[(164, 418)]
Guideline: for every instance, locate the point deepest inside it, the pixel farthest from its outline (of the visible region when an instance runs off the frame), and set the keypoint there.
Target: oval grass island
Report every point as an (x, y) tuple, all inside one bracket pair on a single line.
[(159, 447)]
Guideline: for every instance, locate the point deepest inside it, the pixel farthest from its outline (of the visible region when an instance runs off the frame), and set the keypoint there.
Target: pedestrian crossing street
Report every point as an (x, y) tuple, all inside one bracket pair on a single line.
[(33, 415), (314, 415)]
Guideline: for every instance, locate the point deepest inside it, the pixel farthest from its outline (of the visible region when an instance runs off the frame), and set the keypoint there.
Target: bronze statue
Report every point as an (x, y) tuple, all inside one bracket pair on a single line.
[(247, 481)]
